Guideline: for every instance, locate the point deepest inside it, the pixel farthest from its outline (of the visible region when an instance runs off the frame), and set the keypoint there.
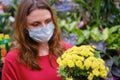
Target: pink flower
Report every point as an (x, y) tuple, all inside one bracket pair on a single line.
[(81, 24)]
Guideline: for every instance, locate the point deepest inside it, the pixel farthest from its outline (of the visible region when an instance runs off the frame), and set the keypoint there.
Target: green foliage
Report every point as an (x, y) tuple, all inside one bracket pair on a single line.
[(4, 22), (110, 35), (102, 12), (14, 5), (113, 39), (62, 71), (69, 22), (92, 33)]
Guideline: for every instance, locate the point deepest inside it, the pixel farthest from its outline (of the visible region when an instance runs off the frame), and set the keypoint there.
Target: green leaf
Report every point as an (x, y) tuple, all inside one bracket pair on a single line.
[(80, 36), (97, 6), (112, 38), (64, 28), (94, 36), (86, 34), (80, 40), (72, 25), (105, 34), (61, 71), (97, 54), (114, 29)]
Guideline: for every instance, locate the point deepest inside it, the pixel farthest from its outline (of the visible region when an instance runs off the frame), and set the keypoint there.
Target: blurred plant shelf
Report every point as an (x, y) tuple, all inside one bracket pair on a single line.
[(5, 43), (4, 22)]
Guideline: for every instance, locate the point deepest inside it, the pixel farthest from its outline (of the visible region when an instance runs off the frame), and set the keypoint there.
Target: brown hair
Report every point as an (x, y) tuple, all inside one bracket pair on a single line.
[(28, 47)]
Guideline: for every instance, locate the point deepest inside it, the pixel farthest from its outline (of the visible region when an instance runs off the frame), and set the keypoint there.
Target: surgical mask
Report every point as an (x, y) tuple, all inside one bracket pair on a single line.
[(42, 34)]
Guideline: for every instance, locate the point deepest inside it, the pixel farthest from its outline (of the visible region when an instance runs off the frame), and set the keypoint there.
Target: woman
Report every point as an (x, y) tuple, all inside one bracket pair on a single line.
[(39, 44)]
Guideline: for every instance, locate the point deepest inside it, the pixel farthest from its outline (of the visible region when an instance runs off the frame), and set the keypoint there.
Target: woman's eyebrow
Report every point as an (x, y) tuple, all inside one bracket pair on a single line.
[(49, 19)]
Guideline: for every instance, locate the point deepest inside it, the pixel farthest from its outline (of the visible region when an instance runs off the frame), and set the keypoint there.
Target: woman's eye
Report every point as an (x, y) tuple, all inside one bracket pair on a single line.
[(47, 21), (36, 24)]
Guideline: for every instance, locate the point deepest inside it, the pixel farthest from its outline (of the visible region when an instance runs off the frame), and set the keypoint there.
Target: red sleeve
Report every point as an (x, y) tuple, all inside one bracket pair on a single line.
[(8, 71)]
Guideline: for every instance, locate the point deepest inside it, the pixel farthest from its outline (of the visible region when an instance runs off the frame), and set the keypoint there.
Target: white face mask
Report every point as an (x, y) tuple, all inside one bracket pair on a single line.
[(42, 34)]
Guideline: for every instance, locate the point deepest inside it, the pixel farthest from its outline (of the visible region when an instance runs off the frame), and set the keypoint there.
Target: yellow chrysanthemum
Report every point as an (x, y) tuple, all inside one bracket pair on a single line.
[(79, 64), (70, 63), (82, 58), (100, 60), (103, 74), (59, 60), (69, 78), (90, 77), (95, 64), (96, 72)]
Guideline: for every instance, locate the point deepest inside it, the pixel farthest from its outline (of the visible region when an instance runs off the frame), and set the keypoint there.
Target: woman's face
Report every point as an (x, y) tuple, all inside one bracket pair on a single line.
[(38, 18)]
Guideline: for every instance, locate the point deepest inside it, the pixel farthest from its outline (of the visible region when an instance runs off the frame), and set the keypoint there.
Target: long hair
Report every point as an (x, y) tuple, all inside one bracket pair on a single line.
[(28, 47)]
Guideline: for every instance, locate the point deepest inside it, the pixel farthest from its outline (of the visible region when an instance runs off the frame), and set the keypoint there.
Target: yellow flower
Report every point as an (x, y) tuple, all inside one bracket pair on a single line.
[(95, 64), (69, 57), (103, 74), (93, 47), (58, 60), (70, 63), (103, 71), (64, 55), (64, 62), (107, 69), (90, 77), (83, 59), (101, 61), (69, 78), (77, 57), (86, 53), (87, 64), (102, 67), (80, 64), (87, 47), (96, 72)]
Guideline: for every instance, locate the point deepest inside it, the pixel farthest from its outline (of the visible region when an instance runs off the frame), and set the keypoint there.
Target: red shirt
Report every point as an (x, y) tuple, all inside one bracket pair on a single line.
[(13, 70)]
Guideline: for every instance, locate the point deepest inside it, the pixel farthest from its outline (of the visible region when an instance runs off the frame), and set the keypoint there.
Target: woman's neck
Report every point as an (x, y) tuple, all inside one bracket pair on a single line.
[(43, 49)]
